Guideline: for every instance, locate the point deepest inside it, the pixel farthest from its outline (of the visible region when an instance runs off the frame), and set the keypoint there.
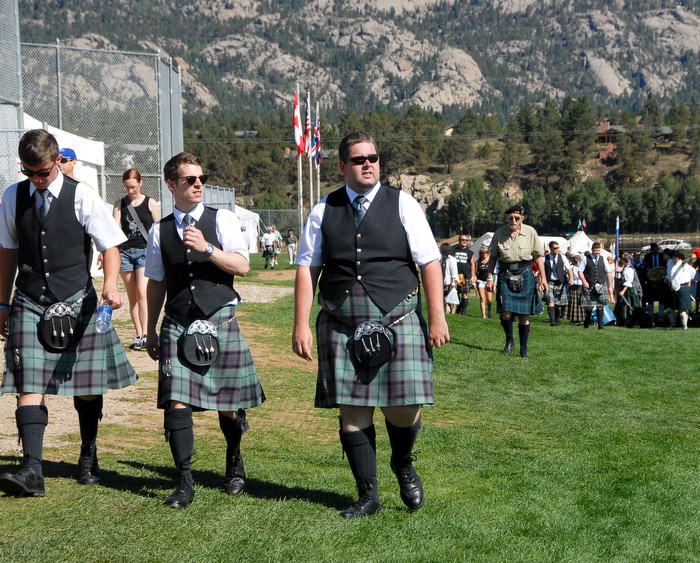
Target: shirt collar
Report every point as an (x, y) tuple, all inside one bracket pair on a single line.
[(195, 212), (54, 187), (369, 195)]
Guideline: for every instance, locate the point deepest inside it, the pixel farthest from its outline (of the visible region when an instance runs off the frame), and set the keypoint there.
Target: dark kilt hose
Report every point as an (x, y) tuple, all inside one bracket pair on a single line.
[(526, 302), (406, 379), (229, 384), (96, 364)]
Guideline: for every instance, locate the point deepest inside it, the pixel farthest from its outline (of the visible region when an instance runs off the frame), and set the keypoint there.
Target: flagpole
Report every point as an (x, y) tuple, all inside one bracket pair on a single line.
[(617, 238), (296, 118), (309, 136), (318, 157)]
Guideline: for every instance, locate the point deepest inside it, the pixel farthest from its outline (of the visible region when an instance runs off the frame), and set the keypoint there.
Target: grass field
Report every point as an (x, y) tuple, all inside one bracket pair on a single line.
[(586, 451)]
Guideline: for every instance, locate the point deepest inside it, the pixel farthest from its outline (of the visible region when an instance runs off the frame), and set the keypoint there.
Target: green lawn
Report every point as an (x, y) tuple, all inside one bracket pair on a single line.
[(586, 451)]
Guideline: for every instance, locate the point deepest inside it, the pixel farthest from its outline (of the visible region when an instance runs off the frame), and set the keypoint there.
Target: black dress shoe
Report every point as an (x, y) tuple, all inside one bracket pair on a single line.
[(363, 507), (89, 469), (182, 496), (509, 348), (25, 482), (410, 486), (234, 485)]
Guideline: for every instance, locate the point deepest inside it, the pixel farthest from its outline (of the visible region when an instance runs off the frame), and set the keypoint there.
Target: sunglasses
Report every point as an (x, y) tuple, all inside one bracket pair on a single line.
[(360, 160), (32, 173), (463, 240), (516, 218), (64, 160), (192, 179)]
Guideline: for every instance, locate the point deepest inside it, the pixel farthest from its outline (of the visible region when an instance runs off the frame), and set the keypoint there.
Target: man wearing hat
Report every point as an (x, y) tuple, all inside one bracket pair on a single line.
[(68, 162), (513, 249)]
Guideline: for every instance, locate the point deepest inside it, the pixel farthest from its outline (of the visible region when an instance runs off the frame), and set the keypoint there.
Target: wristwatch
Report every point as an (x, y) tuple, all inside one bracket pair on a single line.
[(209, 250)]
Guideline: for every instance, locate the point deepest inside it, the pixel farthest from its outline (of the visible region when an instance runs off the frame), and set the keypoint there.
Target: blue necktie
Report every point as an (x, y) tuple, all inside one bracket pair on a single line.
[(360, 209), (189, 220), (45, 204)]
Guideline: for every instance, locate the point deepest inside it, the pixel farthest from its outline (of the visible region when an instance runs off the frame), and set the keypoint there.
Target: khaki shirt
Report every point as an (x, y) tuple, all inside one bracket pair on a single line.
[(525, 247)]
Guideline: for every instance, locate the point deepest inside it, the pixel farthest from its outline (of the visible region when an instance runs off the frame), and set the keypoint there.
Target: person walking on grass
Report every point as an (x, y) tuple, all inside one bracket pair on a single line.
[(513, 248), (47, 224), (366, 238), (192, 257)]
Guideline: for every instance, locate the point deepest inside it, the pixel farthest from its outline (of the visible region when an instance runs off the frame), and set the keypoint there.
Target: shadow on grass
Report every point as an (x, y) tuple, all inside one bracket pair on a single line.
[(210, 479)]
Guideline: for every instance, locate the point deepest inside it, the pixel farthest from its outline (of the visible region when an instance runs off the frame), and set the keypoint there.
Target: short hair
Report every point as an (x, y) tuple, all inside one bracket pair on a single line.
[(445, 248), (679, 254), (552, 243), (595, 245), (352, 139), (170, 168), (627, 257), (36, 147), (131, 174)]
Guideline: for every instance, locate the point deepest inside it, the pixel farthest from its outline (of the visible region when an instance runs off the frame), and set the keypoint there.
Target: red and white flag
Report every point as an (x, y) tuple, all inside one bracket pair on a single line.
[(296, 123)]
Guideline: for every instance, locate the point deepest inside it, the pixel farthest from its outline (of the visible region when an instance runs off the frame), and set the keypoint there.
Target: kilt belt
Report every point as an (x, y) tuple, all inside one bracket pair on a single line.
[(514, 265)]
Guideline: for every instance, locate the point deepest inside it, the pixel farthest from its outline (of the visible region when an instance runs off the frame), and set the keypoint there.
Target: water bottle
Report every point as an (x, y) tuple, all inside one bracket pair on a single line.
[(104, 317)]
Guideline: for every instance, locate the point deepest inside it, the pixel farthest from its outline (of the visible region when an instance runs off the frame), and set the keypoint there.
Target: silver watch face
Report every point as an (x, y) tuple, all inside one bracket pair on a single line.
[(210, 250)]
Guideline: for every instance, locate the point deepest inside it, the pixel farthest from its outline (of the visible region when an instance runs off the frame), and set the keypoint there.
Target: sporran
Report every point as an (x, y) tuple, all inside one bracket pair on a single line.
[(198, 346)]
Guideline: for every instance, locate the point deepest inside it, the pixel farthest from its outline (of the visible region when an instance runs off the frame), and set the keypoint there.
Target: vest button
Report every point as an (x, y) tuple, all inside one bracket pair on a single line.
[(189, 263), (359, 278), (48, 274), (358, 263), (191, 275), (359, 250), (359, 235), (46, 260), (192, 287), (188, 250)]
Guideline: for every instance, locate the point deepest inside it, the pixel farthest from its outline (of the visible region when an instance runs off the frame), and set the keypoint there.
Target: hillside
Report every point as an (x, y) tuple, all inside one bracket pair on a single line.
[(494, 55)]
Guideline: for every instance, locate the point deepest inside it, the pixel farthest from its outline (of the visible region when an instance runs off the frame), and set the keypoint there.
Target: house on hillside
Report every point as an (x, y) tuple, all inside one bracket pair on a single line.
[(607, 138)]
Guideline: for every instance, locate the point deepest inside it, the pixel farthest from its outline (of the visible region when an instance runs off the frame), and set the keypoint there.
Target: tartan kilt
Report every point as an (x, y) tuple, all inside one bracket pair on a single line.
[(591, 299), (229, 384), (96, 364), (574, 311), (526, 302), (550, 296), (406, 379), (682, 299)]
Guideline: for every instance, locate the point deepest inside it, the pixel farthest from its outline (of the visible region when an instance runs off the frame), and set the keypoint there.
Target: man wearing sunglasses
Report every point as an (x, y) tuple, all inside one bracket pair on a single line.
[(46, 226), (513, 249), (192, 257), (366, 238), (68, 161)]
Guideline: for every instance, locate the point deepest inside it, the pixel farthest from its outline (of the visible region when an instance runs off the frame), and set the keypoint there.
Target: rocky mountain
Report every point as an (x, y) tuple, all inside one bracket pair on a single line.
[(444, 55)]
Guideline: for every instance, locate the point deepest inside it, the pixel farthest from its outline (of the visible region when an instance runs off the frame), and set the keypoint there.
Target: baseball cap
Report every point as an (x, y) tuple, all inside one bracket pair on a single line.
[(68, 153)]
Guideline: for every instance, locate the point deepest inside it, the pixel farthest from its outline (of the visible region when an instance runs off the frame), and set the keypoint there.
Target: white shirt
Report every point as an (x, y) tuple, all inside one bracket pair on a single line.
[(451, 273), (269, 239), (90, 211), (421, 241), (584, 260), (228, 234), (682, 272)]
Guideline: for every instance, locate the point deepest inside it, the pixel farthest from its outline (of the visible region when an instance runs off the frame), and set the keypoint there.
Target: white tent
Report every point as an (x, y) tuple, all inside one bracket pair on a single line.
[(563, 243), (483, 240), (250, 227), (91, 154), (581, 243)]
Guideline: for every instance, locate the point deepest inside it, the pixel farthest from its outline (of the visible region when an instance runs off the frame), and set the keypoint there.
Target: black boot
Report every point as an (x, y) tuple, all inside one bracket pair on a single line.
[(600, 314), (589, 317), (89, 416), (524, 334), (552, 316), (402, 441), (29, 480), (507, 325), (178, 426), (361, 449), (233, 429)]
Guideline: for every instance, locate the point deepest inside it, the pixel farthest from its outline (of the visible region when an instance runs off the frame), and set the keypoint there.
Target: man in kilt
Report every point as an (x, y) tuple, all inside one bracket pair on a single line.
[(513, 249), (192, 257), (47, 225), (597, 280), (367, 238), (558, 273)]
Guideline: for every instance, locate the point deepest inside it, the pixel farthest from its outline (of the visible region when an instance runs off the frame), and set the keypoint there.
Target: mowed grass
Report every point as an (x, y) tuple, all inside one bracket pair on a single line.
[(586, 451)]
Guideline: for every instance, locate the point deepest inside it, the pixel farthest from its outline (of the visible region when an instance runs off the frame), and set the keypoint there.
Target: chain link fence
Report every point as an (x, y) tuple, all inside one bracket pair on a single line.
[(10, 91), (129, 101)]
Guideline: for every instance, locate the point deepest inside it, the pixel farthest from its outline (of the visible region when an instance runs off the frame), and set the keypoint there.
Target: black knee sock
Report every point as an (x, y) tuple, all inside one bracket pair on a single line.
[(524, 334), (600, 313), (178, 425), (89, 416), (31, 423), (233, 430), (361, 449), (552, 315), (507, 325), (402, 440)]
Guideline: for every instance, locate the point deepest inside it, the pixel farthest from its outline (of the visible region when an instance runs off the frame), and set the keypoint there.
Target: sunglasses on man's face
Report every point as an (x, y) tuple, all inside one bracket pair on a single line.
[(360, 160), (192, 179), (64, 160), (40, 174)]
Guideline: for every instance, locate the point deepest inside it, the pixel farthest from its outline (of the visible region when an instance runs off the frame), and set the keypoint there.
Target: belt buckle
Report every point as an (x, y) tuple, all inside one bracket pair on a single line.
[(514, 266)]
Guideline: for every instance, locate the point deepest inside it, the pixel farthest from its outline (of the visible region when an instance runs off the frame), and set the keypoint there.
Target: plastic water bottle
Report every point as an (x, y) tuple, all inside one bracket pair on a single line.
[(104, 317)]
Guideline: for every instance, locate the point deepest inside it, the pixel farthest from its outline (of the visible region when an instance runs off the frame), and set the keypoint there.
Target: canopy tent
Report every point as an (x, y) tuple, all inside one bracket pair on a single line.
[(563, 243), (250, 227), (483, 240), (581, 243)]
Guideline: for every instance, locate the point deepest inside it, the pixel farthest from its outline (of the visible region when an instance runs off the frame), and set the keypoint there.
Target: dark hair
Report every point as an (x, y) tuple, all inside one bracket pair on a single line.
[(595, 245), (36, 147), (679, 254), (352, 139), (131, 174), (170, 168), (445, 248)]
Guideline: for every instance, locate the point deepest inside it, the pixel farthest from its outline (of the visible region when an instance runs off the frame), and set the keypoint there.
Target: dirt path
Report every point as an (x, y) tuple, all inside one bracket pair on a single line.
[(134, 405)]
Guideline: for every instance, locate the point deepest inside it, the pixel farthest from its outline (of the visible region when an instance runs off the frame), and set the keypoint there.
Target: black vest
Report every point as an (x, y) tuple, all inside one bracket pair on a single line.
[(54, 258), (561, 276), (196, 288), (595, 275), (375, 254)]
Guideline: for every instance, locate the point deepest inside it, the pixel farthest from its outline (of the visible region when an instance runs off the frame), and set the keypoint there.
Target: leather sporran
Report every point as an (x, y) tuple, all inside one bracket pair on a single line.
[(198, 346), (515, 282), (373, 344), (58, 327)]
